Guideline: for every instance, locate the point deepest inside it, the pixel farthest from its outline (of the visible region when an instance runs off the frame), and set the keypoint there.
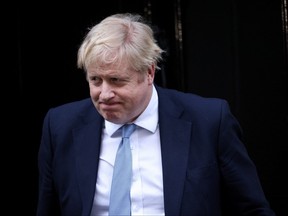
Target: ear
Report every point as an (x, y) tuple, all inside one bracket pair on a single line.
[(151, 74)]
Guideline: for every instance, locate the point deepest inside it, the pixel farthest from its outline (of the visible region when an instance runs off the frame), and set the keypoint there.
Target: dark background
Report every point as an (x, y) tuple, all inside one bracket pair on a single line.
[(232, 49)]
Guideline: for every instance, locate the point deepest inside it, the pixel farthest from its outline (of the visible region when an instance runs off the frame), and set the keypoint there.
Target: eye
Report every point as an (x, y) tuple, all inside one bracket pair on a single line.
[(115, 80), (95, 80)]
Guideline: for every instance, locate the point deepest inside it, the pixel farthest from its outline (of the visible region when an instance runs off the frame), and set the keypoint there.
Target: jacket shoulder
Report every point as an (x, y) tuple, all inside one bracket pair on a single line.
[(189, 100), (72, 112)]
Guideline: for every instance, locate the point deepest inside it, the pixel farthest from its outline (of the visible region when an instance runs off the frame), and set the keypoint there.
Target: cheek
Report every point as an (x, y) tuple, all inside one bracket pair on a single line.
[(94, 92), (138, 97)]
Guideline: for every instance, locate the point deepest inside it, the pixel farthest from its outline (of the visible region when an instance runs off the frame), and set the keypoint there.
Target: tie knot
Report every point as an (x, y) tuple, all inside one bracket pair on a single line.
[(127, 130)]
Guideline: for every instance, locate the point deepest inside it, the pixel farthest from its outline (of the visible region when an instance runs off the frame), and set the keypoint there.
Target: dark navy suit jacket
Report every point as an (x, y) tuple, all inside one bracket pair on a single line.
[(206, 168)]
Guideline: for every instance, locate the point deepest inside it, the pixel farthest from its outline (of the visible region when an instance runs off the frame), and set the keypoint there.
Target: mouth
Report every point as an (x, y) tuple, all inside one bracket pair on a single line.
[(109, 106)]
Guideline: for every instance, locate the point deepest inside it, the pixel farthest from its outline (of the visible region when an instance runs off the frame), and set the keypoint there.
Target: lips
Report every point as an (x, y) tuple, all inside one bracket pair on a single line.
[(109, 106)]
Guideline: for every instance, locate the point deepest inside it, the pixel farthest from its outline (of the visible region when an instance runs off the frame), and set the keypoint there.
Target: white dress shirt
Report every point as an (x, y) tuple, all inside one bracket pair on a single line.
[(147, 182)]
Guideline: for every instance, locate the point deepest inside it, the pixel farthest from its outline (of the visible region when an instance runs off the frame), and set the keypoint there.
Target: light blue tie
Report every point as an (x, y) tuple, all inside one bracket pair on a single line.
[(120, 203)]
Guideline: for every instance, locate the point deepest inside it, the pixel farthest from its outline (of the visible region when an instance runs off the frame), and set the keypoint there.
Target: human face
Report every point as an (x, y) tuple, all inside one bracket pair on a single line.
[(120, 95)]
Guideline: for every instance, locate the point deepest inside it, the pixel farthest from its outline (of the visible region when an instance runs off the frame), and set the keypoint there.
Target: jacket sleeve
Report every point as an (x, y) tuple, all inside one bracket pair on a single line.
[(242, 188), (47, 197)]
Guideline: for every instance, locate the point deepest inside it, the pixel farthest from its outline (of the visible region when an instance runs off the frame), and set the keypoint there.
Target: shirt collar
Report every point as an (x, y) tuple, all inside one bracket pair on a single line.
[(147, 120)]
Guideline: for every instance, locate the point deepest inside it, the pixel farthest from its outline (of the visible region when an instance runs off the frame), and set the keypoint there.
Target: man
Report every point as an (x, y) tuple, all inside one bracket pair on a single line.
[(187, 154)]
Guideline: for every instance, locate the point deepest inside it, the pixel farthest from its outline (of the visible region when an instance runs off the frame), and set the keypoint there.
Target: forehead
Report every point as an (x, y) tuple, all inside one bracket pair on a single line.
[(102, 67), (109, 70)]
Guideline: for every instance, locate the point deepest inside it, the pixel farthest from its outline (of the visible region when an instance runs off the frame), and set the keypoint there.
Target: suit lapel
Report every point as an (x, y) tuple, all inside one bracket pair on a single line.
[(175, 135), (87, 141)]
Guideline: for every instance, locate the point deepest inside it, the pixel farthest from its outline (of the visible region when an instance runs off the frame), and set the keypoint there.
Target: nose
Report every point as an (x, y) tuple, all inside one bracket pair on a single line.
[(106, 92)]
